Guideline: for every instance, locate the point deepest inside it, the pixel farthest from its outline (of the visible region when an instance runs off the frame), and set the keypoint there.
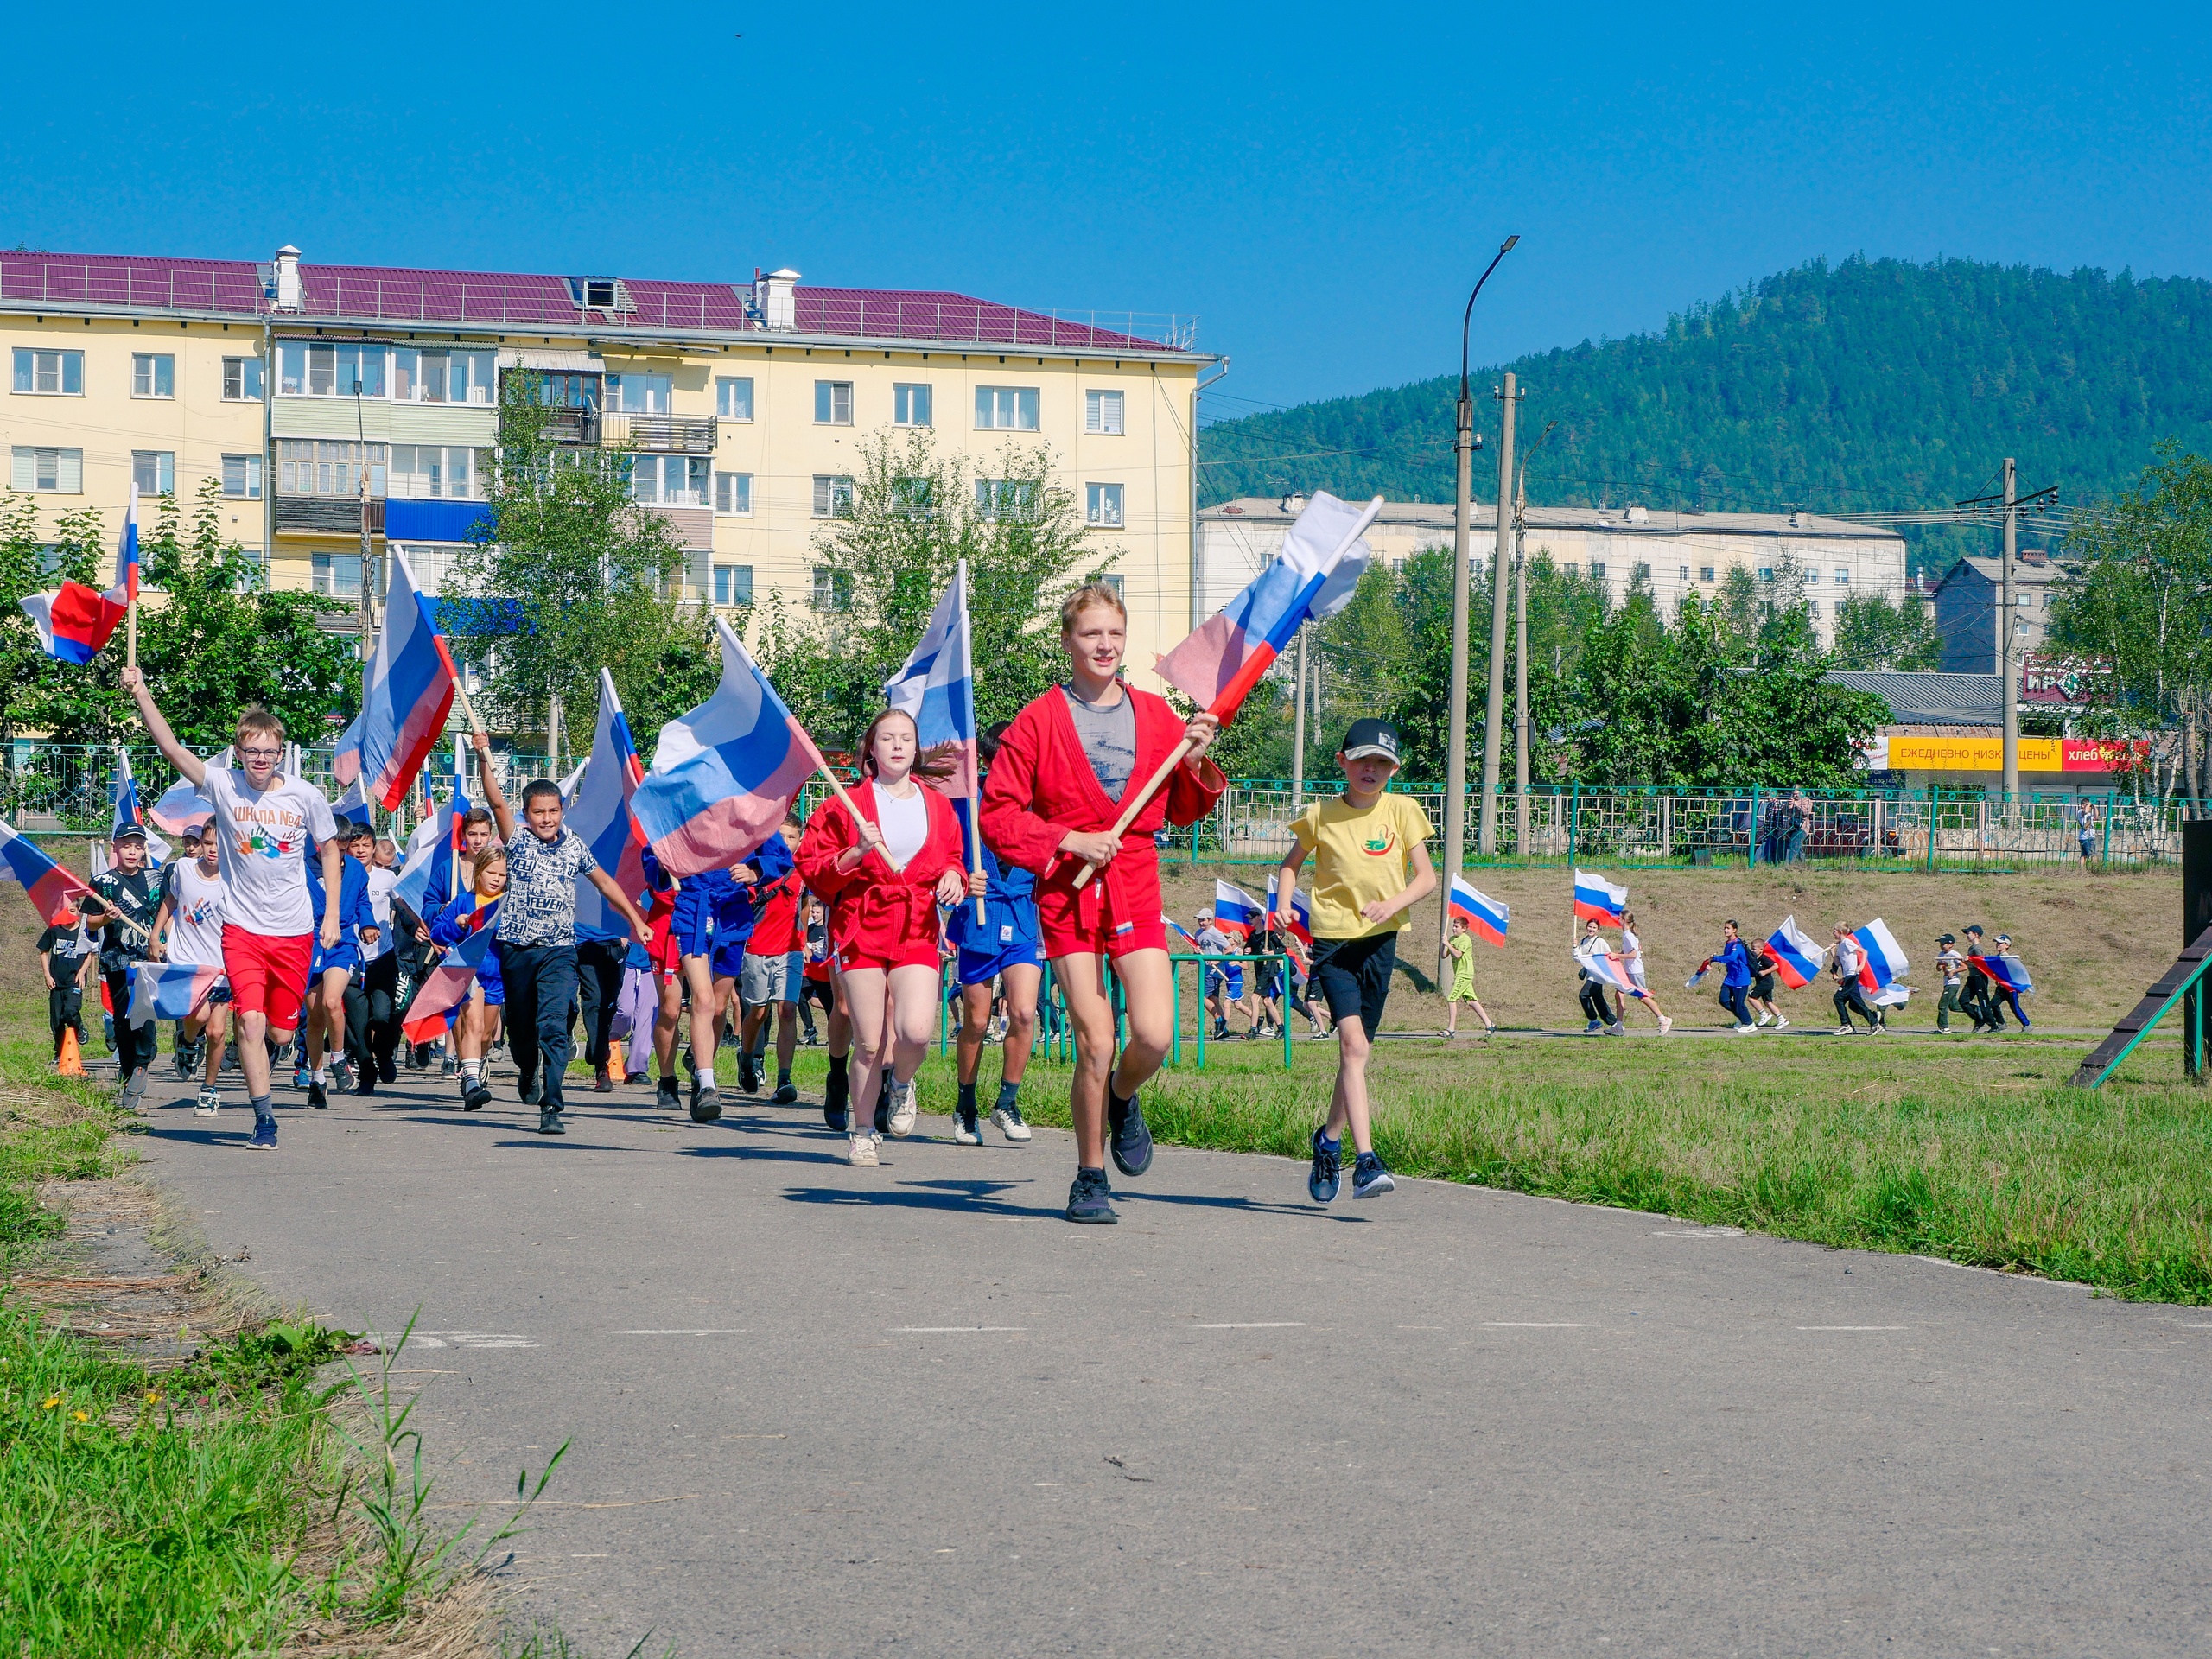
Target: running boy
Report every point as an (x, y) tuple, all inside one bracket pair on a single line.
[(65, 956), (264, 820), (1370, 867), (1953, 967)]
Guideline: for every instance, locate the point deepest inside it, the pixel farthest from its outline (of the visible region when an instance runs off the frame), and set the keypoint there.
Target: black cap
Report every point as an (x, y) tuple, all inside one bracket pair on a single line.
[(1945, 938), (1975, 928), (129, 832), (1372, 736)]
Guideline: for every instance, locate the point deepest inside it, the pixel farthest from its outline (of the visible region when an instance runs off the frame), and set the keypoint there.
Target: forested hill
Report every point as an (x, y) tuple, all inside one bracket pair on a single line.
[(1867, 386)]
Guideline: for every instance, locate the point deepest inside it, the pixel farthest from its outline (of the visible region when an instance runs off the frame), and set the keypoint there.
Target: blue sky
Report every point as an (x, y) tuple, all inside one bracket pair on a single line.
[(1318, 186)]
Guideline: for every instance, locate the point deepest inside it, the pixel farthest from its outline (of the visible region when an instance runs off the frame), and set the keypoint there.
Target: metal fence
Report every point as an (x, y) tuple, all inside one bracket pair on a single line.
[(54, 786)]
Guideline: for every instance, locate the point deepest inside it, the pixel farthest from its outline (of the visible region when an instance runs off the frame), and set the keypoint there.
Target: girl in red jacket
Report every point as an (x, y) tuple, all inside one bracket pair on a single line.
[(883, 877), (1052, 797)]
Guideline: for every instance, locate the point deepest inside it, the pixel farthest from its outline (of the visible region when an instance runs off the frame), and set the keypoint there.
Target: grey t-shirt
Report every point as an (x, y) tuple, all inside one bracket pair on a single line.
[(1108, 738), (541, 896)]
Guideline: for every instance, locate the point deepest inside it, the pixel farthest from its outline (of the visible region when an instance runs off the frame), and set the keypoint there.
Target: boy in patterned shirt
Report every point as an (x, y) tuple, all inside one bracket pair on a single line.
[(538, 932)]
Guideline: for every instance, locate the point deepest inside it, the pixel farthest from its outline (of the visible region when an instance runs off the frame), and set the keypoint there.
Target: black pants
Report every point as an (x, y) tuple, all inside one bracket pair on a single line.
[(1594, 1004), (134, 1045), (65, 1011), (541, 982), (1979, 1002), (371, 1022), (1853, 995), (599, 988)]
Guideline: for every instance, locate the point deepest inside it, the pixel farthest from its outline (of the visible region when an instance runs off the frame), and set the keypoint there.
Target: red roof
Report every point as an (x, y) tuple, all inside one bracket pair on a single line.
[(391, 293)]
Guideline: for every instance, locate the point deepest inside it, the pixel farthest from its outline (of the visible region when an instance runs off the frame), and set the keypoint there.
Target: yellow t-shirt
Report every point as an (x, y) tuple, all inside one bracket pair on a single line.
[(1360, 854)]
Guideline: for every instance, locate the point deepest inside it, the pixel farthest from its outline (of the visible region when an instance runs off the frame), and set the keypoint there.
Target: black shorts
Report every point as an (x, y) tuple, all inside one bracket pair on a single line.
[(1763, 988), (1354, 977)]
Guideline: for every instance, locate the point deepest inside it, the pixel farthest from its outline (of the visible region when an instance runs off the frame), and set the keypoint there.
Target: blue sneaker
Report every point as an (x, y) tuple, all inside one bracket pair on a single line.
[(301, 1077), (1127, 1133), (1328, 1166), (1090, 1199), (1368, 1178), (263, 1138)]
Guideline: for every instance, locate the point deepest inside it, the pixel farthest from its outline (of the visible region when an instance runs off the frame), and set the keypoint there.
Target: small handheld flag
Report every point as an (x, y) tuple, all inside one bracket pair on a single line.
[(446, 987), (1235, 911), (1485, 916), (1597, 900), (407, 691), (433, 850), (1797, 957), (182, 806), (49, 886), (1300, 922), (74, 621), (936, 688), (1884, 957), (126, 558), (1607, 968)]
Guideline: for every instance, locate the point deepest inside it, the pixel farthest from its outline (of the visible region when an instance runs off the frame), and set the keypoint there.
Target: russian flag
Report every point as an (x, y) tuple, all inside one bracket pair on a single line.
[(407, 691), (1312, 576), (432, 849), (446, 987), (1797, 958), (1235, 911), (1484, 914), (599, 812), (724, 775), (1607, 968), (1597, 900), (1884, 957), (50, 886), (127, 811), (1300, 923), (183, 806), (2010, 973), (126, 549), (170, 990), (74, 621), (936, 686), (1176, 927)]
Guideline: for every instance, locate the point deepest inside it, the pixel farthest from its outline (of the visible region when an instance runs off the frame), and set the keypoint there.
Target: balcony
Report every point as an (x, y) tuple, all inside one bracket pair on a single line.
[(571, 426), (327, 515), (667, 435)]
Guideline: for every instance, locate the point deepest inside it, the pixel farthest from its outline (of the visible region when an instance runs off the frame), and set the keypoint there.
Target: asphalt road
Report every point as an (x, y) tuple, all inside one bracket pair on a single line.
[(817, 1410)]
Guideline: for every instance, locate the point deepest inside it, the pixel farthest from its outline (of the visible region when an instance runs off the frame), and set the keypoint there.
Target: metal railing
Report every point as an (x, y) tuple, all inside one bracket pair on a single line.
[(679, 434)]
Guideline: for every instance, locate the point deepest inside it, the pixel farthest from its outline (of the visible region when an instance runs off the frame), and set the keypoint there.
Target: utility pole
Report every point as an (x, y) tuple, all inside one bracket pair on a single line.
[(1521, 665), (1455, 761), (1494, 716), (1298, 730), (2004, 637)]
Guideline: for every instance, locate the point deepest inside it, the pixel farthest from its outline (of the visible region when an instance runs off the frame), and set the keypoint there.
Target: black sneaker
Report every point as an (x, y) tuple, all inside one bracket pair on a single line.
[(1090, 1200), (476, 1098), (1328, 1170), (786, 1094), (341, 1073), (367, 1085), (706, 1105), (1128, 1135), (834, 1116), (532, 1091), (668, 1098), (1368, 1178), (316, 1098), (386, 1072), (748, 1080), (549, 1123)]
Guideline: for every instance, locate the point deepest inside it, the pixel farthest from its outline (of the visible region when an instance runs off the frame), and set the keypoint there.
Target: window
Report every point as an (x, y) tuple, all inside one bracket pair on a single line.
[(733, 584), (734, 494), (909, 406), (338, 572), (833, 589), (1106, 580), (242, 379), (669, 481), (1006, 409), (1684, 574), (242, 476), (833, 403), (1643, 573), (153, 374), (432, 563), (431, 471), (1766, 573), (311, 369), (1704, 573), (598, 293), (1102, 506), (833, 498), (308, 466), (1842, 577), (442, 377), (565, 390), (912, 497), (1005, 497), (1812, 607), (1597, 571), (637, 394), (154, 471), (1573, 570), (733, 397), (1101, 413), (59, 472), (54, 374)]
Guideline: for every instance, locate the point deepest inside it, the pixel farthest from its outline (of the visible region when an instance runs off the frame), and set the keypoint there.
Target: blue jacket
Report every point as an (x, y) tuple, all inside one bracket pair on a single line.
[(354, 910), (1009, 912), (452, 927), (1736, 964), (711, 901)]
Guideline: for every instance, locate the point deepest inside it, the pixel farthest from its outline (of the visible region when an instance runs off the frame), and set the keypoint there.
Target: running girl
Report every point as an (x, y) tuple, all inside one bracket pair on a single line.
[(472, 1024), (1632, 956)]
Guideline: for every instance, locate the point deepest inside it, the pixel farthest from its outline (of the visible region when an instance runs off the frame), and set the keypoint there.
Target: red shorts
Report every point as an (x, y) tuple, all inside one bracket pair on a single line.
[(268, 976), (1074, 924), (887, 954)]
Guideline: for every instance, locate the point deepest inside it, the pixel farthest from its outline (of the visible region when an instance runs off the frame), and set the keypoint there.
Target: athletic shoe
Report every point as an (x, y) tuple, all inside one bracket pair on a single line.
[(496, 1055), (317, 1097), (532, 1091), (748, 1080), (1490, 1030), (211, 1102), (1592, 1025), (835, 1117), (1781, 1022), (1131, 1135), (706, 1105), (1666, 1024), (180, 1061), (602, 1081), (476, 1098), (549, 1123), (1746, 1031), (1328, 1171), (263, 1138), (1007, 1117), (1090, 1200), (966, 1131), (386, 1072), (786, 1094), (1447, 1033), (1763, 1019), (666, 1097), (902, 1109), (449, 1067), (302, 1077), (134, 1086), (418, 1056), (341, 1073), (1616, 1029), (1368, 1178), (859, 1152), (1843, 1031)]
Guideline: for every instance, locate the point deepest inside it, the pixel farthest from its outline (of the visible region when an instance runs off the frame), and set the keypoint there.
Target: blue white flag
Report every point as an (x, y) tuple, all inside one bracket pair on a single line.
[(599, 812)]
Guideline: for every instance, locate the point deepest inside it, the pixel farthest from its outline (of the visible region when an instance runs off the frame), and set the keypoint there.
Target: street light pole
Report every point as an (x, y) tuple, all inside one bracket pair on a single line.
[(1455, 762), (2006, 632), (1509, 397)]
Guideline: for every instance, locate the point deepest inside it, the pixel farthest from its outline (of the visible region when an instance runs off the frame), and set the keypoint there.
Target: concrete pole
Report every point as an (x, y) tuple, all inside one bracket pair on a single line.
[(1298, 730), (1500, 580), (1520, 667), (2006, 634), (1455, 760)]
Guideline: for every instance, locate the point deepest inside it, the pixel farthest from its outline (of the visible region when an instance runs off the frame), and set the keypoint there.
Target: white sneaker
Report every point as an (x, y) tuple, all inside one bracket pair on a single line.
[(1009, 1118), (1617, 1031), (1781, 1022), (211, 1102), (1746, 1031), (1763, 1019), (962, 1135), (1844, 1031), (1666, 1024), (903, 1108), (861, 1153)]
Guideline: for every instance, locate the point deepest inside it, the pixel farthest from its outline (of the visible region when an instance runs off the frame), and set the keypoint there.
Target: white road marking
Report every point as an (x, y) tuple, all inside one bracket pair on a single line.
[(1699, 1232), (469, 1340), (1535, 1324), (737, 1331), (1256, 1325), (1852, 1327), (949, 1330)]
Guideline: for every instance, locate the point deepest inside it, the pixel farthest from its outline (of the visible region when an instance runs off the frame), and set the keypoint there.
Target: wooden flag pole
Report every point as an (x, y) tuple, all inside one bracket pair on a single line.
[(976, 799), (882, 853)]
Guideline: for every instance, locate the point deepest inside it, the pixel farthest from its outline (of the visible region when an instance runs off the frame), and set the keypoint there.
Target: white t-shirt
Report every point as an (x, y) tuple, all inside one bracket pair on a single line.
[(1631, 944), (906, 825), (196, 916), (262, 851), (1846, 957), (381, 882)]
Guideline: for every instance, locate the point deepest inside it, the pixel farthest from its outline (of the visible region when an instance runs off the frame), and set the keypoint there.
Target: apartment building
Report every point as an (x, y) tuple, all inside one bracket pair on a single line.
[(745, 405)]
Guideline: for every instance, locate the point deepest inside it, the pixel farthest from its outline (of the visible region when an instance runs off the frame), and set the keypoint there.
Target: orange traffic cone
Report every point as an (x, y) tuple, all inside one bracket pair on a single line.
[(614, 1061), (72, 1063)]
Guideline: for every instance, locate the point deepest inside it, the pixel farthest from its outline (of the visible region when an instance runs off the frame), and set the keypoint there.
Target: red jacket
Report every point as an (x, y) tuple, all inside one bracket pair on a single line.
[(876, 910)]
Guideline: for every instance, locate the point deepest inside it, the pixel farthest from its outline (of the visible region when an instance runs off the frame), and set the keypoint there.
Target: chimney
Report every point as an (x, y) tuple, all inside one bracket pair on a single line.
[(1638, 515), (287, 279), (775, 294)]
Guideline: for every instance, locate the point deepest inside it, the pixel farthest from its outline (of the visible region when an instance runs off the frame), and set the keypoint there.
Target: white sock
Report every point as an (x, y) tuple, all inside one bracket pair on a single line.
[(321, 1074), (707, 1077), (471, 1069)]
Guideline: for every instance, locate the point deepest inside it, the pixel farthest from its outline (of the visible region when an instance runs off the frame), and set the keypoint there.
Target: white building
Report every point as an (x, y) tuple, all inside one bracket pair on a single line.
[(1677, 553)]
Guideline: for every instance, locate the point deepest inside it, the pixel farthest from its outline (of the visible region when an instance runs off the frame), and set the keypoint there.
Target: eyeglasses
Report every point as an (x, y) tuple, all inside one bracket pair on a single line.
[(261, 754)]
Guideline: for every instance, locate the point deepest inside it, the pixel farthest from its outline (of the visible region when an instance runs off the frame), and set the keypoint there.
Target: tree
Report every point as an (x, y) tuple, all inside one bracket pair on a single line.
[(1873, 631)]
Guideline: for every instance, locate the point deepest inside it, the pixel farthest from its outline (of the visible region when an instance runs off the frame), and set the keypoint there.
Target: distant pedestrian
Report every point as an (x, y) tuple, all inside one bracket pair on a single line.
[(1735, 960), (1850, 995), (66, 955), (1800, 814), (1979, 998), (2011, 997), (1632, 956), (1459, 950), (1597, 1007), (1760, 997), (2085, 830), (1953, 967)]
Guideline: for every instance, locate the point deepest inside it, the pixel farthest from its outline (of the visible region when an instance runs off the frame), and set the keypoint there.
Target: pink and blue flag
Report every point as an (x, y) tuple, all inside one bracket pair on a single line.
[(1300, 922), (50, 886), (1486, 916), (446, 987), (432, 850), (1884, 957), (74, 621), (2009, 972), (182, 806), (407, 691), (1607, 968), (724, 775), (1311, 577), (170, 990), (1597, 900), (599, 810), (936, 686), (1235, 911), (1796, 955)]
